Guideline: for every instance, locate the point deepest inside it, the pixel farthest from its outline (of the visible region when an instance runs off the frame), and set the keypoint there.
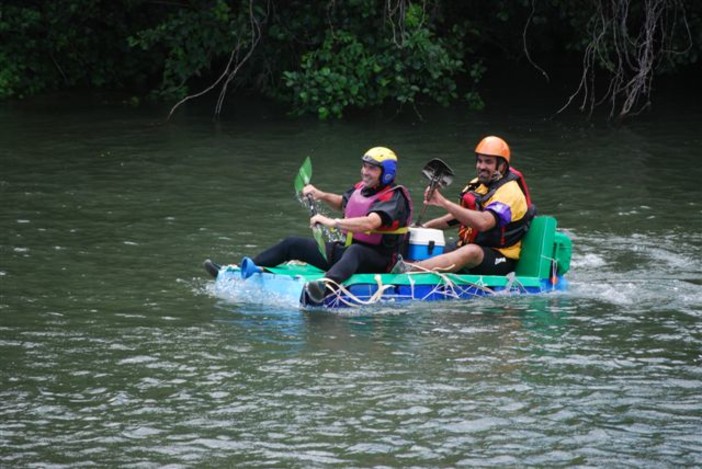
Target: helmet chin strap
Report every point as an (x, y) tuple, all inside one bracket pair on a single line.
[(497, 175)]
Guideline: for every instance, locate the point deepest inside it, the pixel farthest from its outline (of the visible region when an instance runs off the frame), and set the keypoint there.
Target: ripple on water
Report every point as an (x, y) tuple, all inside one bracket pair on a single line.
[(116, 351)]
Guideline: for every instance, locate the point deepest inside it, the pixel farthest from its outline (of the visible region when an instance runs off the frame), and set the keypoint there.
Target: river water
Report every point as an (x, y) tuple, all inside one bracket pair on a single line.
[(115, 352)]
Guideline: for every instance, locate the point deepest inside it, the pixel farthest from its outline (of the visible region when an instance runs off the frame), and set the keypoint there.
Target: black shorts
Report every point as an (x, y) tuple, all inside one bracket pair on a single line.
[(494, 263)]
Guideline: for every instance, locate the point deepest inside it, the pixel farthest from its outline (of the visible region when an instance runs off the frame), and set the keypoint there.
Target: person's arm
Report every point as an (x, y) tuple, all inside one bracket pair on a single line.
[(440, 223), (478, 220), (370, 222), (333, 200)]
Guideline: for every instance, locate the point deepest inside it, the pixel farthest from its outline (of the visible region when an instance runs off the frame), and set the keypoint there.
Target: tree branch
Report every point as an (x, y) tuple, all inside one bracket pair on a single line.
[(627, 44), (524, 42), (232, 68)]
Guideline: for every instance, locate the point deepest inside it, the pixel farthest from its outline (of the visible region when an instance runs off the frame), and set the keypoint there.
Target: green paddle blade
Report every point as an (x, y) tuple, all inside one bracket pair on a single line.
[(319, 237), (304, 175)]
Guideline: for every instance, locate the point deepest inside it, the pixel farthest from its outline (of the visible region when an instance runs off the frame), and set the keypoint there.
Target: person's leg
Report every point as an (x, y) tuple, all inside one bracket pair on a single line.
[(292, 248), (493, 263), (464, 257), (357, 258)]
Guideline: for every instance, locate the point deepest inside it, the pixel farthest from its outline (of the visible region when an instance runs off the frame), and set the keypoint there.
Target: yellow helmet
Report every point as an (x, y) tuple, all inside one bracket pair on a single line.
[(384, 158), (493, 146)]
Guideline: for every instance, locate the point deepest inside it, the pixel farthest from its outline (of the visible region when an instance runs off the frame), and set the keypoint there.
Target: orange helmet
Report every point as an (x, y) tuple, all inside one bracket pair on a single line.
[(493, 146)]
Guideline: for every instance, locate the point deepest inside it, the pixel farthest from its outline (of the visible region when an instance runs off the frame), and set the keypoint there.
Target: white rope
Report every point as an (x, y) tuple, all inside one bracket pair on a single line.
[(340, 290), (449, 286), (455, 287)]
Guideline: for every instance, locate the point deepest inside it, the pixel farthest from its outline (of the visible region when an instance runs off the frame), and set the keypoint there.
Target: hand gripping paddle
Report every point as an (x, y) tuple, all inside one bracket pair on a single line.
[(304, 175), (439, 175)]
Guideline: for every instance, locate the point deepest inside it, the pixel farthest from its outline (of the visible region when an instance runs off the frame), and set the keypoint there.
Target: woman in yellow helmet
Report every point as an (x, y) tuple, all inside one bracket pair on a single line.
[(376, 216)]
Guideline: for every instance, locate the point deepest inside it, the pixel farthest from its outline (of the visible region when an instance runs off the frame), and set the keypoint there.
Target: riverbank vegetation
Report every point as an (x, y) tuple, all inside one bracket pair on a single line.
[(325, 57)]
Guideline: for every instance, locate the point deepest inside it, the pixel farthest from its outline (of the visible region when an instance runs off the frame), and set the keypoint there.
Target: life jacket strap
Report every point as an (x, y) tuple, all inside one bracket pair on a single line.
[(399, 231)]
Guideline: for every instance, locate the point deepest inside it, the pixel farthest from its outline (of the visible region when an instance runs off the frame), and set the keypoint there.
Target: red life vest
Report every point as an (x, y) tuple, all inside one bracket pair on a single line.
[(496, 237)]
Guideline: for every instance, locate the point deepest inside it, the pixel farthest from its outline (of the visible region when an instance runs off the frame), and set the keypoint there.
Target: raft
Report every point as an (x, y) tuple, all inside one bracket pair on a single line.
[(545, 259)]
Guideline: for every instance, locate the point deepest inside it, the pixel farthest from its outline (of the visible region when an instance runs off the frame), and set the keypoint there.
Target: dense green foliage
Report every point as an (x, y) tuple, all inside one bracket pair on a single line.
[(323, 56), (63, 44), (363, 67)]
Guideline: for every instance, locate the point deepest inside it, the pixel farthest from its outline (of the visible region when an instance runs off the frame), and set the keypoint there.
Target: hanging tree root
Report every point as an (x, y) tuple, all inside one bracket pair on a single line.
[(627, 47), (233, 66)]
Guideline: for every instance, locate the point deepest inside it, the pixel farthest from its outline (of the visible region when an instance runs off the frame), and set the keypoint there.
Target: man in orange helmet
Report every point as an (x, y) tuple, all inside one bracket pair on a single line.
[(493, 214)]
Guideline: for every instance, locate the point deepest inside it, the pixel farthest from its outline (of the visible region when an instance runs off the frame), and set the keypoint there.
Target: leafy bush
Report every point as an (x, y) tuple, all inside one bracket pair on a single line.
[(325, 57), (66, 43), (368, 68), (186, 42)]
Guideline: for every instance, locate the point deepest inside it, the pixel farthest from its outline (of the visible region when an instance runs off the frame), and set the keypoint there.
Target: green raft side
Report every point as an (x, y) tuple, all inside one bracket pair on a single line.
[(430, 278), (294, 269), (415, 278), (541, 247), (309, 272)]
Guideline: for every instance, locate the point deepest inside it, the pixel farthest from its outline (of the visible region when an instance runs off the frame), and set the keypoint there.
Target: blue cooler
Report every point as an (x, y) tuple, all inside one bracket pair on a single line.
[(425, 243)]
